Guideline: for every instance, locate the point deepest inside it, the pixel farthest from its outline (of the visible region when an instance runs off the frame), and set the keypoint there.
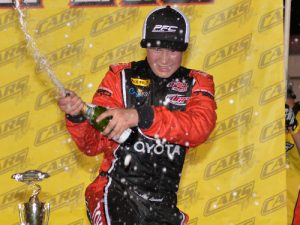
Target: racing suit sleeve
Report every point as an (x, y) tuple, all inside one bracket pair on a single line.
[(191, 127), (89, 140)]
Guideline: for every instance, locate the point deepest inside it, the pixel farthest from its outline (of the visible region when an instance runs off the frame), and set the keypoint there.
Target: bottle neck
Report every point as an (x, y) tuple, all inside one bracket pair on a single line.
[(88, 110)]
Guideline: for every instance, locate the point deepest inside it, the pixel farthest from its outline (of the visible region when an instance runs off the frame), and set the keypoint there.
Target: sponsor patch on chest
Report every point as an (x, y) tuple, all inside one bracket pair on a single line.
[(176, 99), (178, 86)]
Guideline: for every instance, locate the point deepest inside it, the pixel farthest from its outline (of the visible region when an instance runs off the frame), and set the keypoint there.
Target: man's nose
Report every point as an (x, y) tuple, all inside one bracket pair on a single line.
[(164, 56)]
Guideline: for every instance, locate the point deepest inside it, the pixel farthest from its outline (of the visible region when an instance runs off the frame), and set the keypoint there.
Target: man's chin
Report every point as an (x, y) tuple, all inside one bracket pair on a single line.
[(163, 75)]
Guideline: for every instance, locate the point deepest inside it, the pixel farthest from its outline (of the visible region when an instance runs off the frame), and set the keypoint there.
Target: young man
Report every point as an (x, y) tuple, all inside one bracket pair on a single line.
[(169, 107)]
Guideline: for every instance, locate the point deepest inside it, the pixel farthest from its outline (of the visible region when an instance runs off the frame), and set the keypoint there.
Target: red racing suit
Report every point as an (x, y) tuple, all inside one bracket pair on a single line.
[(174, 114)]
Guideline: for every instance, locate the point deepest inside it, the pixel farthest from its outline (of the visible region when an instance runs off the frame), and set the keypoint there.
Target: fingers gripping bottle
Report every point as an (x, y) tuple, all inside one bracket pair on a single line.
[(91, 112)]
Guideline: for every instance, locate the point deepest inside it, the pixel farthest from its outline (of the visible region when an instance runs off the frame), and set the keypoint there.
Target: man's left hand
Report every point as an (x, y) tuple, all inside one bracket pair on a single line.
[(121, 120)]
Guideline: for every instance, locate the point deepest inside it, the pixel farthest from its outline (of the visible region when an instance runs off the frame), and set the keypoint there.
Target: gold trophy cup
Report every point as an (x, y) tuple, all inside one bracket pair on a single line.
[(33, 212)]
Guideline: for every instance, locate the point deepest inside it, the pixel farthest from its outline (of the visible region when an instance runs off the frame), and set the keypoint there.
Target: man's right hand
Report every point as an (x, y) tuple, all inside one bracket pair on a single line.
[(70, 103)]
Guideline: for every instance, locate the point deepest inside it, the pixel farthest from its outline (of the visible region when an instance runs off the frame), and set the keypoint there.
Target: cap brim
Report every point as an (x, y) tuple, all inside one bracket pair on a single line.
[(177, 46)]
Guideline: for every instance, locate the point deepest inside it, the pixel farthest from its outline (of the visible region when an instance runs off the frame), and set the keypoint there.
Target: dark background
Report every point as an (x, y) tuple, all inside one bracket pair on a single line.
[(295, 17), (294, 48)]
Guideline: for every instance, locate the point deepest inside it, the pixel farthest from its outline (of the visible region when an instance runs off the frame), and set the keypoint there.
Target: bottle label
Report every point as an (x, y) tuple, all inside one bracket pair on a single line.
[(90, 108), (124, 136)]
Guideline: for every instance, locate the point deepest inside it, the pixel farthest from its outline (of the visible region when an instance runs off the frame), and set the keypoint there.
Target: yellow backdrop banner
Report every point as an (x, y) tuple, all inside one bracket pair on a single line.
[(236, 178)]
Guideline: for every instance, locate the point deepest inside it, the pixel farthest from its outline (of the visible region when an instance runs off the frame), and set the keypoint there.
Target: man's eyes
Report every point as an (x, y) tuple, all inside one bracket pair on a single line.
[(160, 49)]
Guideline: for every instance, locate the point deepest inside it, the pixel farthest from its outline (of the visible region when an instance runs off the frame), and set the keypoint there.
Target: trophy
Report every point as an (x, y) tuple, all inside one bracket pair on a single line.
[(33, 212)]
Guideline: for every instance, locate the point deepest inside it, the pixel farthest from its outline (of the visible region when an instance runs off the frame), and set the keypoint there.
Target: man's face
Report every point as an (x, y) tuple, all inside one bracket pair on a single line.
[(164, 62)]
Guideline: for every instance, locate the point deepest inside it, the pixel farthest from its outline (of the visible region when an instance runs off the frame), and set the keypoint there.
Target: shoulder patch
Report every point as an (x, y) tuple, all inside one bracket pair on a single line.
[(200, 73), (204, 92), (115, 68)]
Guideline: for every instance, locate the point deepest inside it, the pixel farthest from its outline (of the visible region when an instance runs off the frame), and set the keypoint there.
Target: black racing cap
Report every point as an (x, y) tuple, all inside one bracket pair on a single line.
[(166, 27)]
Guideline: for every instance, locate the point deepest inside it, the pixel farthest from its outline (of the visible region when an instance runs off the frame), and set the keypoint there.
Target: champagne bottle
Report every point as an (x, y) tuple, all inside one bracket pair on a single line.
[(91, 112)]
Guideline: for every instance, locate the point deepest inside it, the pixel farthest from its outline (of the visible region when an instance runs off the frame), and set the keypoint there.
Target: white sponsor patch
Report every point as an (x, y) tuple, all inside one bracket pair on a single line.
[(157, 149), (165, 28), (177, 99)]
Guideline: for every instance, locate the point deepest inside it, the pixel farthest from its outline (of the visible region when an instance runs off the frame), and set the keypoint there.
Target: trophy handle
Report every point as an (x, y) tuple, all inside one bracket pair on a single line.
[(47, 212), (21, 215)]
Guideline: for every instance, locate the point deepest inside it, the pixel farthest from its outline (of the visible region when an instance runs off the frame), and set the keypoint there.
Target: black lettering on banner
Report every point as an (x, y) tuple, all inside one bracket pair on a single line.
[(66, 198), (112, 20), (13, 125), (229, 162), (13, 52), (13, 160), (121, 53), (231, 87), (273, 203), (13, 197), (187, 193), (27, 3), (50, 133), (231, 124), (47, 97), (272, 130), (13, 88), (59, 164), (226, 16), (228, 199), (57, 21), (271, 93), (8, 18), (227, 52), (270, 19), (274, 166), (91, 2), (64, 54), (271, 56)]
